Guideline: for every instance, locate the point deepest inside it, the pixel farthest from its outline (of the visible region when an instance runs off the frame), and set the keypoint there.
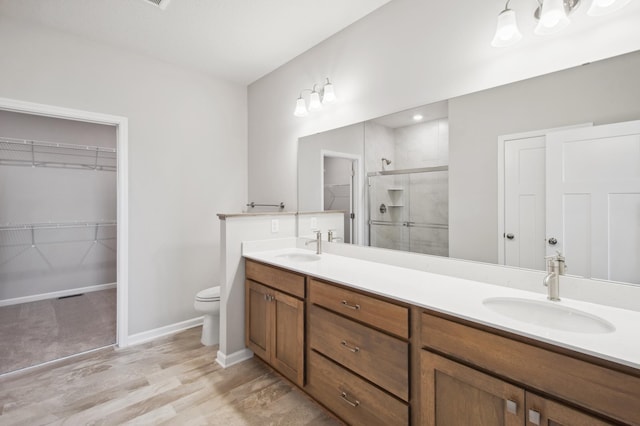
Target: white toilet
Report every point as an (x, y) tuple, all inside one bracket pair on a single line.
[(208, 303)]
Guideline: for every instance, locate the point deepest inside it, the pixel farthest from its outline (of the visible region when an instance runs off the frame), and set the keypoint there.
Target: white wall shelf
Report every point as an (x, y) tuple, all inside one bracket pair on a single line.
[(21, 152)]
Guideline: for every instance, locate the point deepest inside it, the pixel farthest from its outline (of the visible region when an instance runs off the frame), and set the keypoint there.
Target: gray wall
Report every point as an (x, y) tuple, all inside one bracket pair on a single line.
[(67, 258), (187, 154), (601, 92)]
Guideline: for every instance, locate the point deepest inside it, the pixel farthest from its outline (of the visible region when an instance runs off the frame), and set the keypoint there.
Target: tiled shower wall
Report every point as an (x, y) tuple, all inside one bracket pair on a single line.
[(420, 200)]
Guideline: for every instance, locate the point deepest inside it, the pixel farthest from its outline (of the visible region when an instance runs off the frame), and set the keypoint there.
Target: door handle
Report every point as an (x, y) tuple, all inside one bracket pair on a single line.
[(510, 236), (552, 241)]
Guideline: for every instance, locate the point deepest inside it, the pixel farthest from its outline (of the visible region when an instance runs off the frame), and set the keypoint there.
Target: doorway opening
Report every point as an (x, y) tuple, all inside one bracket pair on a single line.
[(340, 192), (63, 232)]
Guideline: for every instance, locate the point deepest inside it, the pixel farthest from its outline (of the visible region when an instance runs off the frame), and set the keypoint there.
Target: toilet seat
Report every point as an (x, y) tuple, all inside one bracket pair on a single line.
[(211, 294)]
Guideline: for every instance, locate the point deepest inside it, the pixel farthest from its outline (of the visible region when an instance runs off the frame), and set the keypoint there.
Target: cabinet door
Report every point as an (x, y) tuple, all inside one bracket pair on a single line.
[(257, 324), (541, 411), (453, 394), (287, 328)]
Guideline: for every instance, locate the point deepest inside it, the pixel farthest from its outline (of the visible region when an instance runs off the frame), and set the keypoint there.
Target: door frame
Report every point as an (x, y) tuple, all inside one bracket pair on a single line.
[(122, 185), (356, 189), (502, 140)]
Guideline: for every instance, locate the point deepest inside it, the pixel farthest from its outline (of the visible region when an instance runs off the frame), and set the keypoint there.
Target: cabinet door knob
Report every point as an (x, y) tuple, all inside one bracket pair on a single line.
[(345, 398), (350, 306), (353, 349), (512, 406), (534, 417)]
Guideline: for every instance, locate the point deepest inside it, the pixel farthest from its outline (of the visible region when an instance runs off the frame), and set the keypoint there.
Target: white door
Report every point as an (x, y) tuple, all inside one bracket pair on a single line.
[(593, 200), (524, 204)]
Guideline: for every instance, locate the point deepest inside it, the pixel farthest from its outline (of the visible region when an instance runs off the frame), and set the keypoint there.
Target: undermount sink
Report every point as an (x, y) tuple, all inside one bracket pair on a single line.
[(299, 257), (552, 315)]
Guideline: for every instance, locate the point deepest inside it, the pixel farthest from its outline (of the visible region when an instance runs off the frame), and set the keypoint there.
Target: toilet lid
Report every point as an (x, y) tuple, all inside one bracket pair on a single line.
[(208, 294)]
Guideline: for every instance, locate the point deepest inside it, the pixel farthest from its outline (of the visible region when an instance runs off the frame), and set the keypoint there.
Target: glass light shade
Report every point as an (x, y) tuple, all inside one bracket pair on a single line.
[(553, 18), (507, 32), (301, 108), (328, 95), (604, 7), (314, 101)]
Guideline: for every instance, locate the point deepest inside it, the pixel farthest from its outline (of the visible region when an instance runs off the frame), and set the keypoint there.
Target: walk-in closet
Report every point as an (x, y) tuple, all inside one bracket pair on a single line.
[(58, 232)]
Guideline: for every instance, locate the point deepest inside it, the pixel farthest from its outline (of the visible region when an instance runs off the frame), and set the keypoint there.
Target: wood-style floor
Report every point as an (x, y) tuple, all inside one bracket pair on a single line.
[(170, 381), (36, 332)]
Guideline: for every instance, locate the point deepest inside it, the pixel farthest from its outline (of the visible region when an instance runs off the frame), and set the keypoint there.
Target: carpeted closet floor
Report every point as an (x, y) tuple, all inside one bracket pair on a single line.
[(37, 332)]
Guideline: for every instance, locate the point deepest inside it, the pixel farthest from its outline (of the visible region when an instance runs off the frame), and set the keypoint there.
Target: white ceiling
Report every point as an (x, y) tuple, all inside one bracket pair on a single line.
[(238, 40)]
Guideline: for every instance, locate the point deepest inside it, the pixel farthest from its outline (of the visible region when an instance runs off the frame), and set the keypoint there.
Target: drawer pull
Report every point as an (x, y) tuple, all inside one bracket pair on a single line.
[(512, 407), (354, 403), (353, 349), (347, 305), (534, 417)]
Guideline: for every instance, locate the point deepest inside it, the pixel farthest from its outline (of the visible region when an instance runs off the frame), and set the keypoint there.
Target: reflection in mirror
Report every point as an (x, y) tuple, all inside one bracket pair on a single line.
[(454, 176), (407, 194)]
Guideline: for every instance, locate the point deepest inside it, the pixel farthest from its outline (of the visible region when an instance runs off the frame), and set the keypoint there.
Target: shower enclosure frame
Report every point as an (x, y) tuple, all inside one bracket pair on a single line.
[(122, 134), (391, 173)]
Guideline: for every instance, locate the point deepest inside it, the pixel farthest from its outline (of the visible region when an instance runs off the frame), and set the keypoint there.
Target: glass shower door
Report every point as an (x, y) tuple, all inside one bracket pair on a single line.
[(428, 210)]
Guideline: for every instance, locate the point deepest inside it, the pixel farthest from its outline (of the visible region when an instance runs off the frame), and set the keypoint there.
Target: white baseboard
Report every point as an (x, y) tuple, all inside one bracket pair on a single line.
[(234, 358), (145, 336), (56, 294)]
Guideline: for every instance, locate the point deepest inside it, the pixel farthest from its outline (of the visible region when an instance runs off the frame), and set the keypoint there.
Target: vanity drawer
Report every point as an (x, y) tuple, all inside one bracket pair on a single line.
[(378, 357), (378, 313), (600, 389), (351, 398), (279, 279)]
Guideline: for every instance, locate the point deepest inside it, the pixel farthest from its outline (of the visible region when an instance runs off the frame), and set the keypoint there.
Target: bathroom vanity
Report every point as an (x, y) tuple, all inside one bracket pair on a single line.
[(380, 344)]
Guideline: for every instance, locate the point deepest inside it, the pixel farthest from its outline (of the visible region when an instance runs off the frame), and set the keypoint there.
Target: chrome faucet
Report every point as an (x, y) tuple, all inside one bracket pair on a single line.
[(331, 236), (318, 242), (555, 268)]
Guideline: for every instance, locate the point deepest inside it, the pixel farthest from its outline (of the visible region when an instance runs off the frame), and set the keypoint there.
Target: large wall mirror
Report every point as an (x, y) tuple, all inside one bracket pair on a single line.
[(507, 175)]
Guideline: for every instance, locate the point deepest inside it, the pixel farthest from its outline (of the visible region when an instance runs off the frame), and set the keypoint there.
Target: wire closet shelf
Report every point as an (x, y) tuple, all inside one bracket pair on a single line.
[(22, 152)]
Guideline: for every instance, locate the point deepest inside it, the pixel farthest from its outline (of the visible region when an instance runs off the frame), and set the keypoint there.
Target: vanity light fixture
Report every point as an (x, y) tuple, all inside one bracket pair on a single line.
[(552, 16), (317, 98), (604, 7)]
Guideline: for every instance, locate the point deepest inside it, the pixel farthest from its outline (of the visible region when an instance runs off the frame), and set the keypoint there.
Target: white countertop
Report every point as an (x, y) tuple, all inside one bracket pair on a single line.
[(463, 298)]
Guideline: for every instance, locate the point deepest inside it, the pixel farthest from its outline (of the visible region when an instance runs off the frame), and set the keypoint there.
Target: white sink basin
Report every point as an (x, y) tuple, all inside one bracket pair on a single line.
[(552, 315), (299, 257)]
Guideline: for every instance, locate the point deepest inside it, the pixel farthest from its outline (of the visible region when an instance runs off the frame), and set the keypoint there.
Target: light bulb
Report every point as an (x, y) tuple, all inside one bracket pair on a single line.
[(553, 17), (507, 32), (301, 108), (604, 7), (328, 95), (314, 101)]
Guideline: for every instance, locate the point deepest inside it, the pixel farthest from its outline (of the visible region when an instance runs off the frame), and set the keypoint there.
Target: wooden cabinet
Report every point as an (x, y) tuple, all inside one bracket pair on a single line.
[(358, 361), (381, 314), (274, 325), (382, 359), (543, 411), (536, 370), (455, 394), (352, 398), (374, 361)]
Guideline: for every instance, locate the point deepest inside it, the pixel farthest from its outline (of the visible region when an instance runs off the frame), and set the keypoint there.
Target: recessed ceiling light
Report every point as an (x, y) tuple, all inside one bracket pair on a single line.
[(418, 117)]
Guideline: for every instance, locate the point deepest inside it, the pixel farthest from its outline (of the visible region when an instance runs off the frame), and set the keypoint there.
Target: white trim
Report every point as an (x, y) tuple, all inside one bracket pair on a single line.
[(502, 139), (146, 336), (56, 294), (54, 361), (358, 184), (234, 358), (122, 131)]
